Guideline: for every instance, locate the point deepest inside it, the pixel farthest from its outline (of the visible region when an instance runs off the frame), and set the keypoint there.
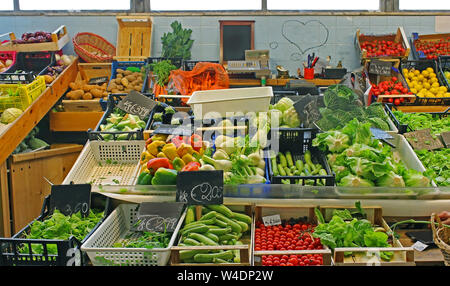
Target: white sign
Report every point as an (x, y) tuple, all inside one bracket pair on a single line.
[(271, 220), (419, 246)]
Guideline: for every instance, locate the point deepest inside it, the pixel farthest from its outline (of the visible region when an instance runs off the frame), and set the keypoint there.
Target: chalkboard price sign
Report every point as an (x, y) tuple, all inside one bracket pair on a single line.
[(70, 199), (380, 67), (200, 187), (158, 217), (98, 80), (137, 104)]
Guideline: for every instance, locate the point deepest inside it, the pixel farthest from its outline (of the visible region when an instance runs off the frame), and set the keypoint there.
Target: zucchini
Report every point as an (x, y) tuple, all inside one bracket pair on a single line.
[(243, 225), (196, 229), (210, 215), (186, 254), (220, 231), (190, 241), (234, 226), (212, 236), (221, 209), (242, 217), (208, 257), (202, 239), (190, 215)]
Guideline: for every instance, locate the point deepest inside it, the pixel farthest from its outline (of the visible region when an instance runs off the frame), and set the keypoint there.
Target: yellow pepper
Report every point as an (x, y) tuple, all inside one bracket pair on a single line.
[(184, 149), (188, 158), (160, 137), (145, 157), (143, 168), (161, 155), (170, 150), (155, 147)]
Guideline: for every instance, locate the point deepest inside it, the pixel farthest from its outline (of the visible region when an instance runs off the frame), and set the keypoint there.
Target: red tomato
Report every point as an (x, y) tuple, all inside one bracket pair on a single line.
[(397, 101)]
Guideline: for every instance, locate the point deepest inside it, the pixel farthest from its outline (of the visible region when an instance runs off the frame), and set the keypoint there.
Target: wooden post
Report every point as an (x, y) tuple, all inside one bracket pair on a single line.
[(5, 225)]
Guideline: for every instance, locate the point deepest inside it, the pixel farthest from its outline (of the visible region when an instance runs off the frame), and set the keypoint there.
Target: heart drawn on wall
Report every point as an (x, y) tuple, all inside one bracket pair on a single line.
[(300, 26)]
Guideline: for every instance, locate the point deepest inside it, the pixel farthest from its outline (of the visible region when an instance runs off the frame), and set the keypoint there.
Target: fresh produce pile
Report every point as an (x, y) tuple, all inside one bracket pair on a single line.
[(5, 62), (383, 48), (342, 105), (419, 121), (62, 62), (127, 80), (30, 142), (433, 49), (217, 226), (424, 83), (347, 229), (285, 166), (392, 87), (61, 227), (437, 164), (360, 161), (162, 71), (163, 159), (85, 91), (447, 75), (36, 37), (120, 121), (11, 114), (286, 113), (144, 239), (291, 235)]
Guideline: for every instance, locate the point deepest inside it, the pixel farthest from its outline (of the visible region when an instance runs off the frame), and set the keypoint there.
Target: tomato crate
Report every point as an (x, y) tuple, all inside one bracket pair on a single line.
[(68, 252), (369, 256), (421, 66), (293, 215), (8, 55), (444, 70), (398, 38), (26, 94), (418, 43), (245, 249), (100, 245)]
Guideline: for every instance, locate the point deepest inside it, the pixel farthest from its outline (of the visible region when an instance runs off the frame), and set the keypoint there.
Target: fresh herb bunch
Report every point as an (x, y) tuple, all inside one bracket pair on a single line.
[(61, 227), (177, 44), (419, 121), (437, 164), (147, 240), (162, 71)]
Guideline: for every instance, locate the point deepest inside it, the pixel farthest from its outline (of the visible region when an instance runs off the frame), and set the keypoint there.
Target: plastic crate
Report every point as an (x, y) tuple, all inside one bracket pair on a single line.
[(67, 249), (444, 65), (189, 65), (124, 65), (99, 247), (30, 65), (11, 55), (166, 119), (178, 62), (298, 141), (27, 94), (113, 100), (107, 163), (421, 65), (420, 55)]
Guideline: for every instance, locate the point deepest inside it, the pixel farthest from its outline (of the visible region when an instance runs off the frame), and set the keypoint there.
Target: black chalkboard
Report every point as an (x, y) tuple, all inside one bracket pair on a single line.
[(236, 39), (200, 187), (184, 130), (158, 217), (98, 80), (70, 199), (380, 67), (137, 104), (308, 110)]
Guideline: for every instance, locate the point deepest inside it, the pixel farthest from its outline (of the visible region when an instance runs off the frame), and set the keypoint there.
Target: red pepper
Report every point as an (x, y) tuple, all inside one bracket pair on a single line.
[(178, 140), (191, 166), (196, 142), (156, 163)]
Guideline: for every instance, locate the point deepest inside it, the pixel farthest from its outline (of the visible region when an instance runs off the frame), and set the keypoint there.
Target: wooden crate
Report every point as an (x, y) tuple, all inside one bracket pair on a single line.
[(134, 38), (245, 249), (74, 121), (93, 70), (419, 55), (398, 37), (286, 212), (368, 256), (28, 188), (55, 45)]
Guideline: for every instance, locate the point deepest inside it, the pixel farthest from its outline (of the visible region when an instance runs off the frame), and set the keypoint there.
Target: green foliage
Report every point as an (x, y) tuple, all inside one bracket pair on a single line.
[(162, 71), (177, 44), (145, 239), (419, 121), (437, 164)]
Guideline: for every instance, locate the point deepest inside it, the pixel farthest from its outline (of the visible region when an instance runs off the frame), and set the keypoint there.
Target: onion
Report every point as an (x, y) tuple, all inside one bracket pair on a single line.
[(66, 60)]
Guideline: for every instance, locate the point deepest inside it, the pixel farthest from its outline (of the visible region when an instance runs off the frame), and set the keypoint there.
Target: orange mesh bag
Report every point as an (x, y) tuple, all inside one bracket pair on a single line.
[(204, 76)]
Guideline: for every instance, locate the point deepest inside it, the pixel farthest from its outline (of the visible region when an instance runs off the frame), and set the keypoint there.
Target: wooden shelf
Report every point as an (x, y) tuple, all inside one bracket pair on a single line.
[(280, 82), (74, 121)]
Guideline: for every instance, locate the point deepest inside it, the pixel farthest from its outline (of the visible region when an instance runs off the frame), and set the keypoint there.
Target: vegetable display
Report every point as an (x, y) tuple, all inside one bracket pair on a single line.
[(424, 83), (419, 121), (30, 142), (433, 48), (10, 115), (119, 121), (162, 71), (5, 62), (382, 48), (437, 164), (83, 90), (164, 114), (286, 113), (391, 87), (144, 239), (217, 226), (360, 161), (61, 227), (36, 37), (131, 78)]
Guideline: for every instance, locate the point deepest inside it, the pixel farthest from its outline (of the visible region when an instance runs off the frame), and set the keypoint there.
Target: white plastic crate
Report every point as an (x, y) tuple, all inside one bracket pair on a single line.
[(107, 163), (118, 224), (221, 101)]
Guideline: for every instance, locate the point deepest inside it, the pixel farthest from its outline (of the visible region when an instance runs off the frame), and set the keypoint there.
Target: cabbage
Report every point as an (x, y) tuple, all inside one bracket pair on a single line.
[(290, 118), (284, 104), (354, 181), (391, 179), (332, 141), (10, 114), (415, 179)]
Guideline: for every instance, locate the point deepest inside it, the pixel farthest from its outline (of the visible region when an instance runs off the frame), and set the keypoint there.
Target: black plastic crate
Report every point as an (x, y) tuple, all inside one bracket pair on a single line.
[(178, 62), (97, 134), (166, 119), (298, 141), (403, 128), (10, 247), (444, 65), (421, 65), (189, 65), (31, 64)]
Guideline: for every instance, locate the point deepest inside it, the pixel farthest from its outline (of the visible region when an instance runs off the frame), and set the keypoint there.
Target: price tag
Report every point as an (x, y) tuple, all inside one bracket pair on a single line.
[(271, 220), (380, 67), (419, 246), (380, 134), (137, 104), (70, 199), (200, 187), (422, 139), (183, 130), (308, 109), (158, 216), (98, 80), (446, 138)]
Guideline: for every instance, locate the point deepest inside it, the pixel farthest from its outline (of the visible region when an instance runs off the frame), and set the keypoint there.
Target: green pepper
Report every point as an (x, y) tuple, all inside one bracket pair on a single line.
[(145, 178), (165, 176), (178, 164)]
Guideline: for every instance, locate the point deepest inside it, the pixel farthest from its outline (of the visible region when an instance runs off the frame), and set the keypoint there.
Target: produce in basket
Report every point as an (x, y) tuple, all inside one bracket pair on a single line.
[(433, 48), (425, 83), (419, 121), (286, 113), (120, 121), (361, 161), (437, 164), (132, 78), (144, 239), (390, 87), (36, 37), (218, 226), (81, 90), (382, 48), (5, 63)]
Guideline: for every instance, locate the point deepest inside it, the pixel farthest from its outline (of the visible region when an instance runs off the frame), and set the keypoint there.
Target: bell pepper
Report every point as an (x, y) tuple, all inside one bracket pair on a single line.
[(161, 155), (148, 142), (188, 158), (178, 140), (165, 176), (146, 156), (155, 147), (178, 163), (197, 156), (184, 149), (170, 151), (160, 137), (192, 166), (196, 142), (145, 178), (154, 164)]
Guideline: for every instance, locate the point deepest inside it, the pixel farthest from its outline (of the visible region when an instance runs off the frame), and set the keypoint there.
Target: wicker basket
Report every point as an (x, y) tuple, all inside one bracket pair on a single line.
[(92, 48), (441, 236)]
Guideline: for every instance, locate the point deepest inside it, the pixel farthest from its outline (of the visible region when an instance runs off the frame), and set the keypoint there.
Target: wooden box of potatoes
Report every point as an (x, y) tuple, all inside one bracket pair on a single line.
[(84, 97), (126, 81)]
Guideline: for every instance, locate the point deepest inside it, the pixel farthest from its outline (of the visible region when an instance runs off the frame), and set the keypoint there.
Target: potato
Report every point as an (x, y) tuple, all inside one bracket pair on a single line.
[(117, 80), (103, 86), (76, 85), (115, 90), (119, 70), (120, 87), (89, 87), (137, 74), (87, 96), (124, 82), (138, 88), (97, 93), (48, 79), (130, 78), (76, 94), (127, 72), (135, 83), (127, 90), (119, 75), (105, 94)]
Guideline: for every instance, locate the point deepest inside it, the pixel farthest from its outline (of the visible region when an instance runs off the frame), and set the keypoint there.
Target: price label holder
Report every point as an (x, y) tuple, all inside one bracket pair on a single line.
[(200, 187), (137, 104), (183, 130), (446, 139), (271, 220), (70, 199), (419, 246), (382, 68), (382, 136), (422, 139), (158, 217), (98, 80)]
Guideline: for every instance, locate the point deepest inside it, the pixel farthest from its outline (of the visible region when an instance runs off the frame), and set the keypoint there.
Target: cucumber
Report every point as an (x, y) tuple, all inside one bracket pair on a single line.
[(242, 217), (190, 215), (197, 229), (221, 223), (243, 225), (212, 236), (220, 231), (221, 209), (237, 253), (234, 226), (186, 254), (202, 239), (190, 241), (208, 257), (210, 215), (219, 260)]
